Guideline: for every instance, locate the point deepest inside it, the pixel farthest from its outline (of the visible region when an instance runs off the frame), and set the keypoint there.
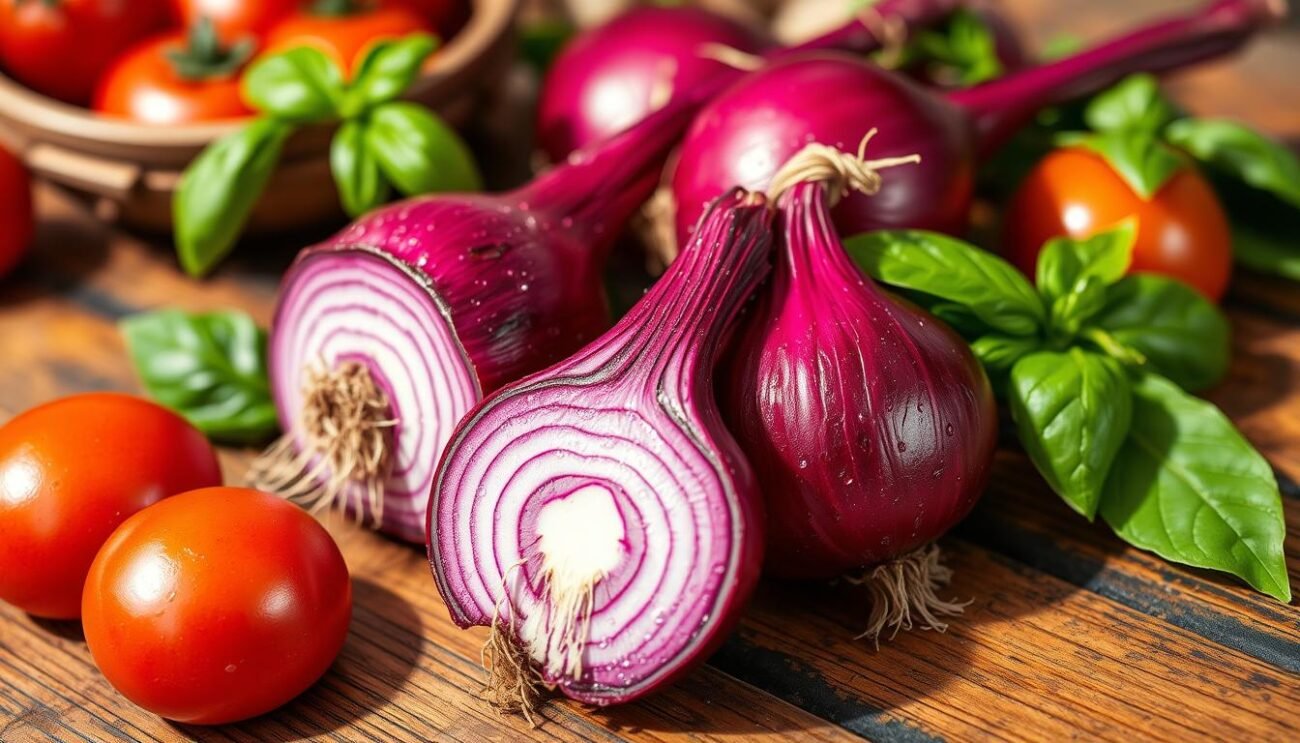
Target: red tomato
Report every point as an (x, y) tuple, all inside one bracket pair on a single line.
[(446, 15), (71, 471), (217, 605), (15, 211), (1182, 231), (146, 86), (346, 37), (234, 19), (60, 47)]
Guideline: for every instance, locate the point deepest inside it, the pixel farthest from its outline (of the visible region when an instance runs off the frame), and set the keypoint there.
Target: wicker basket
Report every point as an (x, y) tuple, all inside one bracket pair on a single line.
[(132, 169)]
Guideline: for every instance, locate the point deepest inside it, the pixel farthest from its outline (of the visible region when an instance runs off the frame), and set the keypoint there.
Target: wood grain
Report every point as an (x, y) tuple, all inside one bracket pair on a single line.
[(1070, 633)]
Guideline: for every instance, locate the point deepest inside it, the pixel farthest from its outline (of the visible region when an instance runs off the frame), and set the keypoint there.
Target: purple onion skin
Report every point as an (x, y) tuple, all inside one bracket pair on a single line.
[(869, 424), (655, 368), (608, 77), (743, 136), (520, 273)]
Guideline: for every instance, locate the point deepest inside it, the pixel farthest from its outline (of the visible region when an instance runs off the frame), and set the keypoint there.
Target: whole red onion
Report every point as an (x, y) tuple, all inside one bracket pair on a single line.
[(744, 135), (869, 423), (612, 76)]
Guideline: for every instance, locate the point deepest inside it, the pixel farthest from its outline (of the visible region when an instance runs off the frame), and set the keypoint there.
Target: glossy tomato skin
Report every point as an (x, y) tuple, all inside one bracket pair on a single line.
[(1182, 231), (60, 48), (71, 471), (143, 86), (217, 605), (234, 19), (15, 212), (346, 38)]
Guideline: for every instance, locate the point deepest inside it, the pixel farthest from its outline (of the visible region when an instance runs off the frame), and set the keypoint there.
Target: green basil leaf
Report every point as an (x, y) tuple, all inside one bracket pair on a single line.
[(1065, 262), (1142, 160), (418, 152), (361, 184), (1072, 411), (956, 316), (388, 69), (217, 192), (210, 368), (1072, 275), (1187, 486), (955, 271), (999, 353), (1182, 335), (301, 85), (1242, 152), (1068, 313), (1134, 105)]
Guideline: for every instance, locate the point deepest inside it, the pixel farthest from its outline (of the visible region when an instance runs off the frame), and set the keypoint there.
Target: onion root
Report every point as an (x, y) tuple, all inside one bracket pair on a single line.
[(348, 426), (904, 593)]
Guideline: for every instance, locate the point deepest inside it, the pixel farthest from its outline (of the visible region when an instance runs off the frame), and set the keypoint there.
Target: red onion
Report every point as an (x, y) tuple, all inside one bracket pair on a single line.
[(743, 136), (597, 515), (388, 333), (870, 425), (613, 75)]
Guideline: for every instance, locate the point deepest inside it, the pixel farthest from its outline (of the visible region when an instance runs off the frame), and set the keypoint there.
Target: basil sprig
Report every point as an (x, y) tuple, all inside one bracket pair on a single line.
[(1147, 140), (1095, 366), (381, 145), (210, 368)]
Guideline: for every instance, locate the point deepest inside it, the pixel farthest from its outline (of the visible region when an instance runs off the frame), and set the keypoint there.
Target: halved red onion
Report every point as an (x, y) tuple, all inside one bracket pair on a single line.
[(597, 515), (388, 333)]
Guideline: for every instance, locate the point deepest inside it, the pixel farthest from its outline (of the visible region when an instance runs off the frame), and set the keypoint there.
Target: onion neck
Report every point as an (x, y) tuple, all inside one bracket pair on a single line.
[(684, 318), (598, 188), (871, 29), (812, 251), (999, 108)]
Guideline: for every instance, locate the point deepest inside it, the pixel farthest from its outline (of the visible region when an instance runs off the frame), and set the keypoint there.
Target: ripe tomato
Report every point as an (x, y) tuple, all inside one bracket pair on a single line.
[(217, 605), (234, 19), (148, 86), (1182, 231), (346, 36), (70, 472), (60, 47), (15, 212)]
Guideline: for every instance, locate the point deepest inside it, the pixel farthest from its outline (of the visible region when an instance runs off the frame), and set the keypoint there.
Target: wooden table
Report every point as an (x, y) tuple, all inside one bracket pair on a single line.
[(1070, 633)]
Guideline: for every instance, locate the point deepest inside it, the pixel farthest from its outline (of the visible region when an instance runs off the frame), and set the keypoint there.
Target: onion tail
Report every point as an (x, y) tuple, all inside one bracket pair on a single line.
[(597, 515), (1001, 107), (387, 334)]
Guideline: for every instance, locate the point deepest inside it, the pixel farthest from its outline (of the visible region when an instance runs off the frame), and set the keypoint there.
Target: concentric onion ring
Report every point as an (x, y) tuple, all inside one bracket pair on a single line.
[(678, 534), (362, 305)]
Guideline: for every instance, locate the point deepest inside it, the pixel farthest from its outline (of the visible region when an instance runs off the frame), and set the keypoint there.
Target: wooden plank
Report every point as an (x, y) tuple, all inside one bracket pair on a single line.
[(1032, 657)]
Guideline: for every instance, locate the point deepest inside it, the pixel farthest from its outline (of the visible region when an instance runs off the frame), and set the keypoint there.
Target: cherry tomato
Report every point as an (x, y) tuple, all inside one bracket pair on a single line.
[(1182, 231), (234, 19), (217, 605), (446, 15), (148, 86), (15, 211), (71, 471), (346, 36), (60, 47)]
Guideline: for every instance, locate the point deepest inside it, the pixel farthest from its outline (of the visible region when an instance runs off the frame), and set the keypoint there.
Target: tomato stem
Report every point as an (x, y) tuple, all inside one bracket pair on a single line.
[(204, 57)]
